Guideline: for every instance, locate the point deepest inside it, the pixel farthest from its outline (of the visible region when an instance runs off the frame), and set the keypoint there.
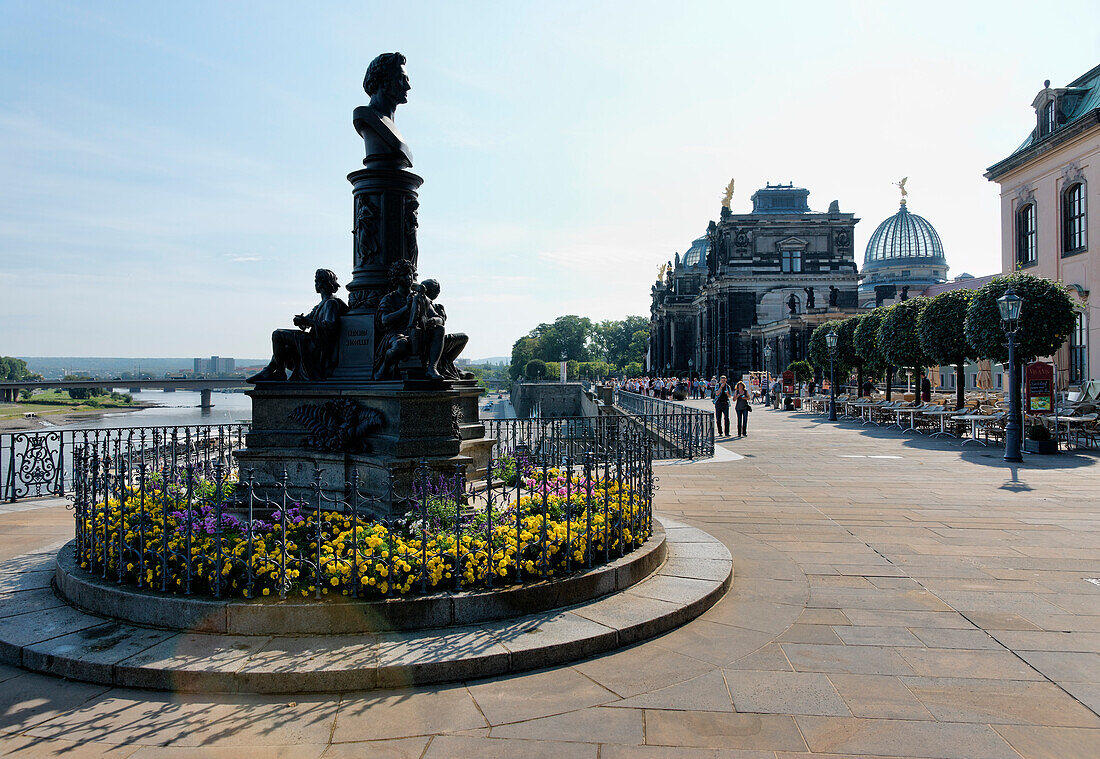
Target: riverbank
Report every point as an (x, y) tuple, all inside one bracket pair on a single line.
[(13, 416)]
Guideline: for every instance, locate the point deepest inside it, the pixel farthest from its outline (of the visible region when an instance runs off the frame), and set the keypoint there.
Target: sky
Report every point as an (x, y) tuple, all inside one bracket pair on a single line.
[(173, 173)]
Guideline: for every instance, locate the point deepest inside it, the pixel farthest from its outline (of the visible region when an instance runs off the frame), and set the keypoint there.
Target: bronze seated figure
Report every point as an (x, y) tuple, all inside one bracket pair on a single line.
[(308, 353), (410, 324)]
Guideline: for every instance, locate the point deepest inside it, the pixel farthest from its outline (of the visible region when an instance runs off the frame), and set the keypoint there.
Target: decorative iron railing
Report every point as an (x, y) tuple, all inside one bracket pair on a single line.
[(678, 431), (40, 463), (544, 508)]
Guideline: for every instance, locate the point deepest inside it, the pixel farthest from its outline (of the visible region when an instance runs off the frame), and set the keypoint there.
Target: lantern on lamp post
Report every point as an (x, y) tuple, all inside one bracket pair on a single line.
[(1009, 305), (830, 343)]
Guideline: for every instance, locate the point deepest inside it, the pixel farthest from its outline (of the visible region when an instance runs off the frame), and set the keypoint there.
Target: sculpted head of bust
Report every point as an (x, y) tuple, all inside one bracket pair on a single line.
[(387, 83)]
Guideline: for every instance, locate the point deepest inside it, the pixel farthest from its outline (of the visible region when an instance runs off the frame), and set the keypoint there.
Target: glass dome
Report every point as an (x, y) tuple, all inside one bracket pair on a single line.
[(697, 253), (902, 239)]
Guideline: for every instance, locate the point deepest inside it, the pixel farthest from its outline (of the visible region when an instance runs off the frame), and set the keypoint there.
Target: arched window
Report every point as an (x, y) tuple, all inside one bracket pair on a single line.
[(1049, 118), (1073, 218), (1026, 252), (1078, 351)]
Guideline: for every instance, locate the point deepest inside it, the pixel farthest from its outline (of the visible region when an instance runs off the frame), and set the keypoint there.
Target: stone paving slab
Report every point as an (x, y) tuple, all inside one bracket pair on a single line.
[(65, 641), (842, 559)]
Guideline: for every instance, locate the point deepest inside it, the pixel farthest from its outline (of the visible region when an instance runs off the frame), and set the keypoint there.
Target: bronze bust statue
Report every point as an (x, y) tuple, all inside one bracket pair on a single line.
[(388, 86), (410, 323), (310, 352)]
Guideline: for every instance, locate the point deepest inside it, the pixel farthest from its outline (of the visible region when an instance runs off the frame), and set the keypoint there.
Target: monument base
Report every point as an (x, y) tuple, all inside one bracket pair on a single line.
[(334, 433)]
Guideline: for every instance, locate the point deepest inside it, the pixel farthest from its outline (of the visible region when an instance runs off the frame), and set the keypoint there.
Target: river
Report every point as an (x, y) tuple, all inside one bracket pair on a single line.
[(172, 410)]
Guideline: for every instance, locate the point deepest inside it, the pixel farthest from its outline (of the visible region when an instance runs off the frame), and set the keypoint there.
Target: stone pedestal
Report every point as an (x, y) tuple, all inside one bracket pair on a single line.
[(384, 214), (380, 430)]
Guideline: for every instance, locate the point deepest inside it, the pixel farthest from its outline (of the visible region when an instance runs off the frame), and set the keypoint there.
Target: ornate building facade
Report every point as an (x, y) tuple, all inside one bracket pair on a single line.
[(1050, 191), (769, 275)]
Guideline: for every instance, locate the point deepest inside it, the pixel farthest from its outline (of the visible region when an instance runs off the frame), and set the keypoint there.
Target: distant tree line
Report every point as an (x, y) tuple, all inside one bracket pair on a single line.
[(591, 349)]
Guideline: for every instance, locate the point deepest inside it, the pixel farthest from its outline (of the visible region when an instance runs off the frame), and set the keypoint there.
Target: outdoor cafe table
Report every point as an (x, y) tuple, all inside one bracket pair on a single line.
[(1069, 421), (912, 411), (974, 419), (943, 419), (865, 407)]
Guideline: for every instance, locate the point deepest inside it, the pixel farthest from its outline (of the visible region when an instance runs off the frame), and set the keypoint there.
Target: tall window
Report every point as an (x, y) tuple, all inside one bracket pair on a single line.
[(1026, 253), (1073, 218), (791, 261), (1049, 120), (1078, 355)]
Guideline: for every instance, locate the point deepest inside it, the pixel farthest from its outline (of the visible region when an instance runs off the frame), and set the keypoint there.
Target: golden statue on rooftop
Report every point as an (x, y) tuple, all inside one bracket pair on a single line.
[(727, 196), (901, 186)]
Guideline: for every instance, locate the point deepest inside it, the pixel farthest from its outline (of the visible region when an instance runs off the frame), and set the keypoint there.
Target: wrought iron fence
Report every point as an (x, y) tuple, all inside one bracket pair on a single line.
[(678, 431), (40, 463), (544, 508)]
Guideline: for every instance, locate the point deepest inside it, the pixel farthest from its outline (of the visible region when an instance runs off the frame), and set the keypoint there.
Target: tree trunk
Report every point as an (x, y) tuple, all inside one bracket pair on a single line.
[(859, 381), (960, 385), (889, 381)]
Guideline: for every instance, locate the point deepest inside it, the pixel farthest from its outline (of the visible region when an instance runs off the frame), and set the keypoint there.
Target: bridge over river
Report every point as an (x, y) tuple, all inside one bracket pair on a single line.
[(9, 391)]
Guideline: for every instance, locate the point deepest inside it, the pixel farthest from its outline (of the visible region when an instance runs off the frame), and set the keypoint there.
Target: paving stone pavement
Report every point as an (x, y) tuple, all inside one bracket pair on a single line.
[(893, 596)]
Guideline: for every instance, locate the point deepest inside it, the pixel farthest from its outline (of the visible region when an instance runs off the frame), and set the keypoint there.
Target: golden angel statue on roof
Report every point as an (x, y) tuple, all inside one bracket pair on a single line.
[(901, 186), (727, 196)]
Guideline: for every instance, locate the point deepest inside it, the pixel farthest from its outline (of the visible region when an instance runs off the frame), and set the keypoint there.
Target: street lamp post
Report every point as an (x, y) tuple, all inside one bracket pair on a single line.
[(1009, 305), (830, 343), (767, 367)]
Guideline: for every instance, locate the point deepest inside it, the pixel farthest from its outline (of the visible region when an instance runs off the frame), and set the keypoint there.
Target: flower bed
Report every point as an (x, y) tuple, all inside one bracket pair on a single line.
[(178, 536)]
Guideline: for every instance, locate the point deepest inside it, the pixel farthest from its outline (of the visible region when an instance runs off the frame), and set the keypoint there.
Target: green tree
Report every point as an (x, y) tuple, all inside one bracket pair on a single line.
[(1046, 318), (803, 370), (943, 335), (15, 370), (523, 350), (83, 393), (535, 369), (819, 349), (623, 349), (899, 336), (568, 334), (633, 369), (865, 343), (639, 344), (847, 348)]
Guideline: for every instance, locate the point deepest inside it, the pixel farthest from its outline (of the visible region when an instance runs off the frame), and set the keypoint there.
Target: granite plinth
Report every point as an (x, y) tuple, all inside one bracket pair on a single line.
[(416, 422)]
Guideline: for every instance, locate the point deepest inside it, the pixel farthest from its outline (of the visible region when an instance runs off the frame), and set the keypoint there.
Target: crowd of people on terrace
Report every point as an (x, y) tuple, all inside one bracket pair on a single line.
[(916, 407)]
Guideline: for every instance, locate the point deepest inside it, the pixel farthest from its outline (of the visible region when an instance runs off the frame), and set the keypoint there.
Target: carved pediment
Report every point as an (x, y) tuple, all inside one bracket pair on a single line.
[(792, 243)]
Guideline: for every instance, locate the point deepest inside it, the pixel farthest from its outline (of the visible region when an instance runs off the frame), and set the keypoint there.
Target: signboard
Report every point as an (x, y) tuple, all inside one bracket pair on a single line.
[(1039, 387), (788, 381)]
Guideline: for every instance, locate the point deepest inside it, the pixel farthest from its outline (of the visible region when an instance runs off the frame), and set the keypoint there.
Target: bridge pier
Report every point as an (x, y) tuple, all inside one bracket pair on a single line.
[(204, 395)]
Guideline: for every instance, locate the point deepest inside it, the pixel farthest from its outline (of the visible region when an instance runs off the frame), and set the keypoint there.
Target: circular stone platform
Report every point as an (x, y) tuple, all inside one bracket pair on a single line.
[(336, 615), (60, 639)]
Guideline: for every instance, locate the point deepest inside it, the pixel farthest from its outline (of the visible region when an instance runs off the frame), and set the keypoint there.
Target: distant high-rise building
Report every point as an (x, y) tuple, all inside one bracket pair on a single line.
[(215, 365)]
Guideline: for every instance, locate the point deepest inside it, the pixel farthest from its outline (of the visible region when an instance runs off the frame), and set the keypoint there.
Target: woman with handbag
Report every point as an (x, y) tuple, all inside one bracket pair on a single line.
[(743, 407)]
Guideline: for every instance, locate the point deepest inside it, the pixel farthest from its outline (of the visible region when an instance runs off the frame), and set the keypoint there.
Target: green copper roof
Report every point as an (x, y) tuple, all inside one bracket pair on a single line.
[(1082, 96)]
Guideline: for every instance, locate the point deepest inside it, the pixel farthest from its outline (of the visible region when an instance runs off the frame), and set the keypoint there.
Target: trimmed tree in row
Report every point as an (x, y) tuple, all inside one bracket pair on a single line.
[(1046, 318), (943, 338), (866, 343), (819, 349), (899, 336)]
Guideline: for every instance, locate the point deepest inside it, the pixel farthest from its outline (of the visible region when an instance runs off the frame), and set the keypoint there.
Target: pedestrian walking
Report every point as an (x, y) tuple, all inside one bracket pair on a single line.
[(742, 406), (722, 407)]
